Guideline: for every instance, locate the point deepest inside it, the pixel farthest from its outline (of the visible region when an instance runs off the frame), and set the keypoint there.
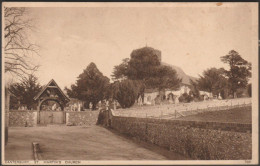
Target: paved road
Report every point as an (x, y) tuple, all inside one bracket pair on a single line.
[(79, 143)]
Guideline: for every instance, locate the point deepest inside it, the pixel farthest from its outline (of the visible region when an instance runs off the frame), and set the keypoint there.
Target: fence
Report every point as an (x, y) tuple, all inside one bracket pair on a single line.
[(183, 109)]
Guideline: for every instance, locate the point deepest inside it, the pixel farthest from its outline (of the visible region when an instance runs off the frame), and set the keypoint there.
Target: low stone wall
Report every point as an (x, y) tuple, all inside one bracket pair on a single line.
[(198, 140), (81, 118), (18, 118)]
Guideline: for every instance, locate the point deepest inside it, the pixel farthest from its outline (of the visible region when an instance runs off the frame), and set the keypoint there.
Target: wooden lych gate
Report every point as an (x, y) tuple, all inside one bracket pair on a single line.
[(51, 102)]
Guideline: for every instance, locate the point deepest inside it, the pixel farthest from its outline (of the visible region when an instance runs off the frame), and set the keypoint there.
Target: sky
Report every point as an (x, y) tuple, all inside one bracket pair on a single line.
[(192, 38)]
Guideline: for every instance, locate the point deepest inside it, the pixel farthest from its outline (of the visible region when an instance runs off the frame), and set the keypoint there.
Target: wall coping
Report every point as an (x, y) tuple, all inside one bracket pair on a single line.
[(80, 111), (23, 111)]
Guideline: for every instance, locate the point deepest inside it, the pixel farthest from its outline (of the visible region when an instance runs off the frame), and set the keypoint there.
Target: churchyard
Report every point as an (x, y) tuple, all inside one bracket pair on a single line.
[(233, 115), (173, 111)]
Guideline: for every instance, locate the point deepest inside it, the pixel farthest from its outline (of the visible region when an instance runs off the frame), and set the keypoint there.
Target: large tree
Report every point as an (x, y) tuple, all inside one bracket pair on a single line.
[(90, 86), (23, 92), (145, 66), (213, 81), (239, 71), (18, 50), (143, 63)]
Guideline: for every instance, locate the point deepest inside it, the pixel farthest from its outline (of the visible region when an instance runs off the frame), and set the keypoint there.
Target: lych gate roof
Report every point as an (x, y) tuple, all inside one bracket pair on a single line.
[(51, 84)]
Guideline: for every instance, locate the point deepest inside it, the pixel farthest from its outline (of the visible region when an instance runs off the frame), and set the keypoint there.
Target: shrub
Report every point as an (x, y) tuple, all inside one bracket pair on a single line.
[(185, 98), (198, 99), (124, 92)]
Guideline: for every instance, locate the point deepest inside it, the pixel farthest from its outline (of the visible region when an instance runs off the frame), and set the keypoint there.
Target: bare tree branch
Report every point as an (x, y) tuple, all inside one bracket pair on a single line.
[(18, 49)]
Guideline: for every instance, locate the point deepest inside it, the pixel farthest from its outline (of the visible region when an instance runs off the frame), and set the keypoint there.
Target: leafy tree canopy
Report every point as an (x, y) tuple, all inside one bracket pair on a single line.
[(239, 72), (90, 86), (163, 77), (24, 92), (213, 80), (144, 65), (125, 92)]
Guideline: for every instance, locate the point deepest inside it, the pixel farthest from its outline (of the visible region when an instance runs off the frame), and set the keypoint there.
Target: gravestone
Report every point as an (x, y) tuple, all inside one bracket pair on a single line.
[(176, 100), (90, 105)]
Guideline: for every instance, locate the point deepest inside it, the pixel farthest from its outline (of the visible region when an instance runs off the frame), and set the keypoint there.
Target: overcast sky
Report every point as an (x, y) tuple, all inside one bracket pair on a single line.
[(193, 38)]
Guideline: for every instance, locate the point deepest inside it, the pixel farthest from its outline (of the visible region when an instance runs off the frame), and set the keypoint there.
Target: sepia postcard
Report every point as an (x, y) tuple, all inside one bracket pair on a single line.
[(129, 83)]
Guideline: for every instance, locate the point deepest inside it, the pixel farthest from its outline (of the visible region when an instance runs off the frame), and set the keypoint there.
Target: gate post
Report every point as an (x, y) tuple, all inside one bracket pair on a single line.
[(64, 117), (38, 112)]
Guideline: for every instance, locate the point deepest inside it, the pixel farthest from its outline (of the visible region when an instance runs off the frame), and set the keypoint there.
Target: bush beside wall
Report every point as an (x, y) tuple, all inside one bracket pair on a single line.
[(198, 140), (22, 118)]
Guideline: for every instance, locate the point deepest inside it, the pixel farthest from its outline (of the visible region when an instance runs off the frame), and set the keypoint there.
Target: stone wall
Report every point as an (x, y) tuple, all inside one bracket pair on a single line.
[(198, 140), (81, 118), (22, 118)]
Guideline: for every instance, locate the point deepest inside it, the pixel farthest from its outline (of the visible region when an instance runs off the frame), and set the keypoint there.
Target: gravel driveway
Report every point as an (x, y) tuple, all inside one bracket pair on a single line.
[(79, 143)]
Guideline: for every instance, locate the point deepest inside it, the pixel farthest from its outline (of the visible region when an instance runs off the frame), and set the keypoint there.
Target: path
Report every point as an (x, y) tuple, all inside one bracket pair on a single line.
[(79, 143)]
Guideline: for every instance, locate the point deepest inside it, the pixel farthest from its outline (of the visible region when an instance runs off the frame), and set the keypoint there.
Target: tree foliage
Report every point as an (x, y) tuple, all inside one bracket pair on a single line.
[(163, 77), (18, 49), (121, 71), (90, 86), (185, 98), (195, 89), (24, 92), (239, 72), (144, 65), (213, 81), (125, 92)]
